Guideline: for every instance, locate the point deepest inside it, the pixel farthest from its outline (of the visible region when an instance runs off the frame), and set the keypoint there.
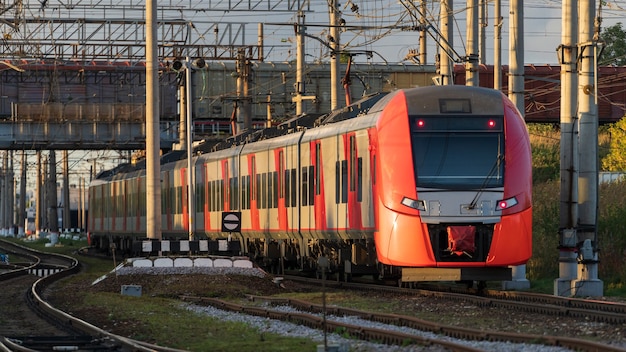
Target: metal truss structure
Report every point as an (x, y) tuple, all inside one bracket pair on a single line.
[(110, 30)]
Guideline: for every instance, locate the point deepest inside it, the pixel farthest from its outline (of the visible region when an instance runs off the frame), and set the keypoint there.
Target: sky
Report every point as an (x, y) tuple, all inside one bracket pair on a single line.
[(542, 27)]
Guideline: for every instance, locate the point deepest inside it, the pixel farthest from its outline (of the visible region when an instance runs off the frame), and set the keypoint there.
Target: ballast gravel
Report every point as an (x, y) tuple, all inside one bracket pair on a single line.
[(279, 327)]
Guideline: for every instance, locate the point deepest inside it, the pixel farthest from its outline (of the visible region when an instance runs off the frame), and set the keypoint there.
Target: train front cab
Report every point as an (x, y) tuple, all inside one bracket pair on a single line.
[(421, 213)]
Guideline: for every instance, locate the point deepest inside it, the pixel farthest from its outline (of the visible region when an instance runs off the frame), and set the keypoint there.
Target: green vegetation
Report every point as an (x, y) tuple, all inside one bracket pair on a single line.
[(615, 160), (184, 329), (543, 267)]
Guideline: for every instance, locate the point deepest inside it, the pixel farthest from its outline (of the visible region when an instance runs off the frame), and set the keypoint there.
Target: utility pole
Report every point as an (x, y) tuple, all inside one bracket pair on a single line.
[(52, 213), (568, 219), (423, 26), (497, 46), (189, 138), (244, 110), (153, 147), (587, 282), (334, 55), (300, 88), (446, 42), (516, 94), (482, 35), (471, 63), (22, 217), (67, 222)]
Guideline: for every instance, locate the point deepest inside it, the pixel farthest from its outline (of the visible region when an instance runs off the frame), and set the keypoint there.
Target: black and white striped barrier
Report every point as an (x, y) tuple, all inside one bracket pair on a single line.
[(199, 246)]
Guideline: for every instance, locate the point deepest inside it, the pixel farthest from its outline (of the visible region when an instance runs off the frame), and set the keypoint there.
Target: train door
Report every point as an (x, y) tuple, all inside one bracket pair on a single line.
[(279, 164), (316, 180), (372, 193), (255, 224), (349, 178), (290, 177)]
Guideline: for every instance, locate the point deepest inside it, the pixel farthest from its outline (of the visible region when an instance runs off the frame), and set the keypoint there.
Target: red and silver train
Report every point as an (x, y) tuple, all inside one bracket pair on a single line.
[(430, 183)]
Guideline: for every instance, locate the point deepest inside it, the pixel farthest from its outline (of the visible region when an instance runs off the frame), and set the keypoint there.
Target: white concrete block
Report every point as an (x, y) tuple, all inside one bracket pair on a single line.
[(222, 263), (204, 245), (203, 262), (184, 246), (183, 262), (142, 263), (163, 263), (242, 263)]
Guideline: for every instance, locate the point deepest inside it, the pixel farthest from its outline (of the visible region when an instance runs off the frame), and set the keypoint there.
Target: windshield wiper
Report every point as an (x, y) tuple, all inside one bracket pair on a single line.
[(494, 168)]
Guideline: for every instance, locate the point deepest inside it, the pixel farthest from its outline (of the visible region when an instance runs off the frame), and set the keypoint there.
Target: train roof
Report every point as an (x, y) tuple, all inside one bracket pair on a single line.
[(298, 123)]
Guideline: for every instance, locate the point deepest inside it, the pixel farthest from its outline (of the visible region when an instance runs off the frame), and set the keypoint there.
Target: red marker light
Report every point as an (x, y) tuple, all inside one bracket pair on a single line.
[(503, 205), (491, 124), (420, 123)]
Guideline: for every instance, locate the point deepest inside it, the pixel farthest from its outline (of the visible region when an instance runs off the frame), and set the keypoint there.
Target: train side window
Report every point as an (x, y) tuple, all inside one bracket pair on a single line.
[(344, 181), (264, 192), (312, 184), (287, 187), (199, 193), (213, 196), (245, 192), (257, 186), (235, 194), (179, 200), (359, 194), (337, 181), (294, 188), (276, 190), (221, 198), (271, 192), (209, 194), (305, 187)]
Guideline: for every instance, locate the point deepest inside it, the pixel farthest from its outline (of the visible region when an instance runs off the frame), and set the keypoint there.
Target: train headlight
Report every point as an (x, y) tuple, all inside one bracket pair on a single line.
[(506, 203), (415, 204)]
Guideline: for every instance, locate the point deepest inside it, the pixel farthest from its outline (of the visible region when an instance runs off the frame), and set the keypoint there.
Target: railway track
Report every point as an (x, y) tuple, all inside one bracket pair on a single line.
[(312, 315), (585, 309), (38, 326)]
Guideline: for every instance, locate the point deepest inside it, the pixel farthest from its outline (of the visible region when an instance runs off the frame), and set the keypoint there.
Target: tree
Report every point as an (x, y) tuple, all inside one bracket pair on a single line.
[(615, 45), (616, 159)]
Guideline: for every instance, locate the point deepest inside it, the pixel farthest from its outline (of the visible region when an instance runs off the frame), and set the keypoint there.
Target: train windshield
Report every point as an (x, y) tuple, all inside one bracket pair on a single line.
[(458, 152)]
